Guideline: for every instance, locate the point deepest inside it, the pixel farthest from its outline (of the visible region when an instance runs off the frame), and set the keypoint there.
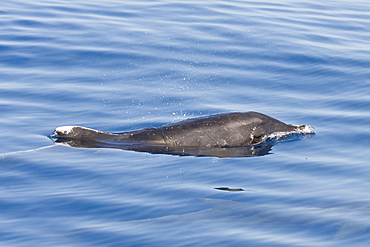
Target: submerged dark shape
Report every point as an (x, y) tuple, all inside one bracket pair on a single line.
[(229, 189), (222, 135)]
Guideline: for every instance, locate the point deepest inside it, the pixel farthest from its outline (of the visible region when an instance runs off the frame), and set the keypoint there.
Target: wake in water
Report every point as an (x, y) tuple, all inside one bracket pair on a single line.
[(2, 156)]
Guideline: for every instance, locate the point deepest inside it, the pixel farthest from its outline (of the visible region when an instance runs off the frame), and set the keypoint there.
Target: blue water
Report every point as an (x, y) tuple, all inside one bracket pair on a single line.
[(123, 65)]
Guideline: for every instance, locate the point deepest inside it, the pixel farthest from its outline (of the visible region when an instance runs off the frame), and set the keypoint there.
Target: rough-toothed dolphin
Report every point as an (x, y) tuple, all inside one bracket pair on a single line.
[(228, 130)]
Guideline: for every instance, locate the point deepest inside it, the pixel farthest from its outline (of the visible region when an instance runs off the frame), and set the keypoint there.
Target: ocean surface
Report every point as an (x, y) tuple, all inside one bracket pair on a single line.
[(117, 66)]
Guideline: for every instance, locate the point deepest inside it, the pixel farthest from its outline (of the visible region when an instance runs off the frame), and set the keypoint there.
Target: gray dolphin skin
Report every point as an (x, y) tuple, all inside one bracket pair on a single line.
[(221, 131)]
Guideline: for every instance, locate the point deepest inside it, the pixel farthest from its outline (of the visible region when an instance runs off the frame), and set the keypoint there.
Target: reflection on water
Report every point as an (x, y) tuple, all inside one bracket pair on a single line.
[(248, 151), (154, 148)]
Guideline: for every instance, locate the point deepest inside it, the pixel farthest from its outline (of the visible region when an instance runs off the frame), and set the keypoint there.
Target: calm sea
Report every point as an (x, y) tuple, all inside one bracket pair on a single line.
[(123, 65)]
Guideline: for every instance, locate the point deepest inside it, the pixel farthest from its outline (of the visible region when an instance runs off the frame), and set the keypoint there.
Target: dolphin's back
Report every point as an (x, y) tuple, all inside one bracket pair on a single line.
[(232, 129)]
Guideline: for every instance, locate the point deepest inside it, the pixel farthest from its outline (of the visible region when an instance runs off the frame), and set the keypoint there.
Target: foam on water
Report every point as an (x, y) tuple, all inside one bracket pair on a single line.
[(300, 132)]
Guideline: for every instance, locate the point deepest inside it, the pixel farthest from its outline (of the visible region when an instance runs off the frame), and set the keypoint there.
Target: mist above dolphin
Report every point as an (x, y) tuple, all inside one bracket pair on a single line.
[(228, 130)]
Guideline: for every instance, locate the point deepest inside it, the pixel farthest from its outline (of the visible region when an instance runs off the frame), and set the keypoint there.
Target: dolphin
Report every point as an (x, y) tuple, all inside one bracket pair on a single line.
[(221, 131)]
